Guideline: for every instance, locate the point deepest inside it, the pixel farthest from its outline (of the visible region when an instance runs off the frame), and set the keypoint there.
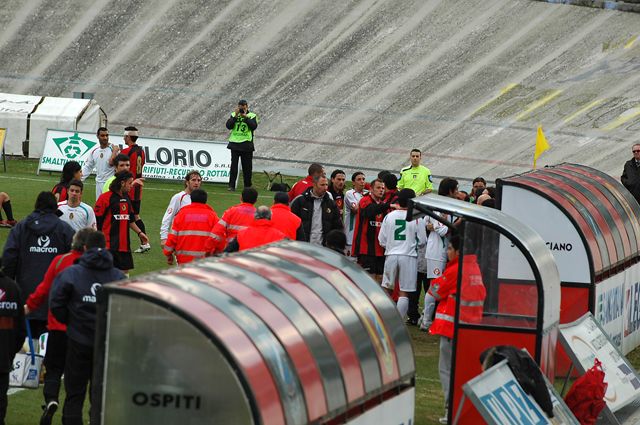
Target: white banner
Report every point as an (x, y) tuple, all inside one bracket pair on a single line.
[(501, 400), (169, 159), (584, 340)]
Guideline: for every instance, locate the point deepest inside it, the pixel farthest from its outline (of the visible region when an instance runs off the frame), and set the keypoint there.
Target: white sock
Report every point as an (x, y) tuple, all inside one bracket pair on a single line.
[(403, 306)]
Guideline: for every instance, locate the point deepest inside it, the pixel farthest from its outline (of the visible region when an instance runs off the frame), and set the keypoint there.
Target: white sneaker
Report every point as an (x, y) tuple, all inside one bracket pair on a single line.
[(423, 324), (143, 248), (445, 419)]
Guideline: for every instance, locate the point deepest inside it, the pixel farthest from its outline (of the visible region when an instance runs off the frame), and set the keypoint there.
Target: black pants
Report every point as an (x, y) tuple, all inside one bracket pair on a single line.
[(247, 167), (77, 375), (414, 297), (4, 387), (54, 361), (38, 327)]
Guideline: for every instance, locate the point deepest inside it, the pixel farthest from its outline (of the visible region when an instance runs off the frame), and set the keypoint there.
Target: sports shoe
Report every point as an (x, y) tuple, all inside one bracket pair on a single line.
[(231, 189), (445, 419), (7, 223), (47, 412), (143, 248), (412, 322), (423, 324)]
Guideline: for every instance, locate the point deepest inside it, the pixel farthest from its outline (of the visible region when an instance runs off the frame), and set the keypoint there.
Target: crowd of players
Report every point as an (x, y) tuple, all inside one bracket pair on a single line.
[(51, 253)]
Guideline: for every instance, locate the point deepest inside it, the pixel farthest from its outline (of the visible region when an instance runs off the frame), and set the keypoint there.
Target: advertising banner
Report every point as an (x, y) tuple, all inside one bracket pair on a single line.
[(169, 159), (584, 340), (610, 307), (501, 400), (631, 329)]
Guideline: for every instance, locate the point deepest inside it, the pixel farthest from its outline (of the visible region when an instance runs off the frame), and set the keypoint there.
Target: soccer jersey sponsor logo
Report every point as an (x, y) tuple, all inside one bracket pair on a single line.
[(121, 216)]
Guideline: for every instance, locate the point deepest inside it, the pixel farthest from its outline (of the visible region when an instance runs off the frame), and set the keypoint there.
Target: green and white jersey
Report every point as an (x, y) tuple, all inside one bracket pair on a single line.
[(351, 198), (401, 237)]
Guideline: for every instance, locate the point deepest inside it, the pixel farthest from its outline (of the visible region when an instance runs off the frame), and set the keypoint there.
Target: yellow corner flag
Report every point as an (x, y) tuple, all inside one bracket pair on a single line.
[(541, 146)]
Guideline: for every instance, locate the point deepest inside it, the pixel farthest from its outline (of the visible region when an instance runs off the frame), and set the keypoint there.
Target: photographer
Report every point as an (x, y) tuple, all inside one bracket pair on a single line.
[(242, 124)]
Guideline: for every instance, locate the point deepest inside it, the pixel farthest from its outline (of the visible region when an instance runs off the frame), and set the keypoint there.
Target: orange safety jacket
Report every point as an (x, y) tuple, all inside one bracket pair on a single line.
[(233, 220), (191, 233), (261, 233), (284, 220), (443, 290)]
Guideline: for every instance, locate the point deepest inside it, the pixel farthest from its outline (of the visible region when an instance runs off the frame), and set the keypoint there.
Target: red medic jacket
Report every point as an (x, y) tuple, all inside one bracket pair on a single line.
[(191, 233), (261, 233), (443, 290), (284, 220), (233, 220)]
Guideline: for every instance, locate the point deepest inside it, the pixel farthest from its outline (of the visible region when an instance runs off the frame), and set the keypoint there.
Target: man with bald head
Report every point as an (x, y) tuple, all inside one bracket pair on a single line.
[(262, 232)]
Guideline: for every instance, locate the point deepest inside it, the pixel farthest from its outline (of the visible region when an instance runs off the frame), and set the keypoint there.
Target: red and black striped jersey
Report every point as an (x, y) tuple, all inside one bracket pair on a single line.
[(368, 222), (137, 160), (113, 214), (61, 189), (338, 198)]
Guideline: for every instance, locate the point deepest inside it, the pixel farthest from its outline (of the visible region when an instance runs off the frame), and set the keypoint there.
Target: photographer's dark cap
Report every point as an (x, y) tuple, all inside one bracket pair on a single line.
[(242, 102)]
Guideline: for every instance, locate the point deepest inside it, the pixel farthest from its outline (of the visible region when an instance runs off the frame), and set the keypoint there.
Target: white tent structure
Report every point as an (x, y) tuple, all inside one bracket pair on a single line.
[(27, 118)]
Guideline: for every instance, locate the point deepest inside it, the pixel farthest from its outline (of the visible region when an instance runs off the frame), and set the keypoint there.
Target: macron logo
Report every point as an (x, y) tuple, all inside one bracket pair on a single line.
[(92, 298), (43, 246), (6, 305)]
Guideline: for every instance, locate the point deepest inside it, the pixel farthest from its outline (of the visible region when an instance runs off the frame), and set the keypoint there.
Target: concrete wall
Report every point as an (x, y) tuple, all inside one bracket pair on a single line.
[(355, 83)]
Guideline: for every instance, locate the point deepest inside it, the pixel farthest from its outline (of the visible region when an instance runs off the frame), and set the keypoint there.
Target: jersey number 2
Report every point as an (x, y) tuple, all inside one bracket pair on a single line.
[(401, 226)]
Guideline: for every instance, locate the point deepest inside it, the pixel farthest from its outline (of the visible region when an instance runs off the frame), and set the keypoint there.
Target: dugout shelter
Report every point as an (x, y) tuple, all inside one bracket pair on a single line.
[(487, 234), (287, 333), (27, 119), (589, 221)]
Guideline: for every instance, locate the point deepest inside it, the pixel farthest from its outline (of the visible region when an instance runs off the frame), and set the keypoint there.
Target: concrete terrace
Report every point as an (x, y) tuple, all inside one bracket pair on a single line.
[(351, 83)]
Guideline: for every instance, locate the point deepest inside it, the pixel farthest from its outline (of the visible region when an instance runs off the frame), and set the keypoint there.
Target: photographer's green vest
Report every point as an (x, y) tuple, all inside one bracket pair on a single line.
[(241, 133)]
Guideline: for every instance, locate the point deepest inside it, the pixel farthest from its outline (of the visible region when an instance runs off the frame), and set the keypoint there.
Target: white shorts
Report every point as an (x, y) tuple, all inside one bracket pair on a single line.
[(435, 268), (403, 268)]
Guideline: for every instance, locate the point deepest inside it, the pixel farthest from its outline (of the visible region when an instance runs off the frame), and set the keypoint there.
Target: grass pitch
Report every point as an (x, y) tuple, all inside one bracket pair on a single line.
[(23, 185)]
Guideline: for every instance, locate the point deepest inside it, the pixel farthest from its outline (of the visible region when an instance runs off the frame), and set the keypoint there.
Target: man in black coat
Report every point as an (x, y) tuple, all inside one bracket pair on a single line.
[(30, 248), (631, 174), (317, 211), (12, 333), (73, 302)]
